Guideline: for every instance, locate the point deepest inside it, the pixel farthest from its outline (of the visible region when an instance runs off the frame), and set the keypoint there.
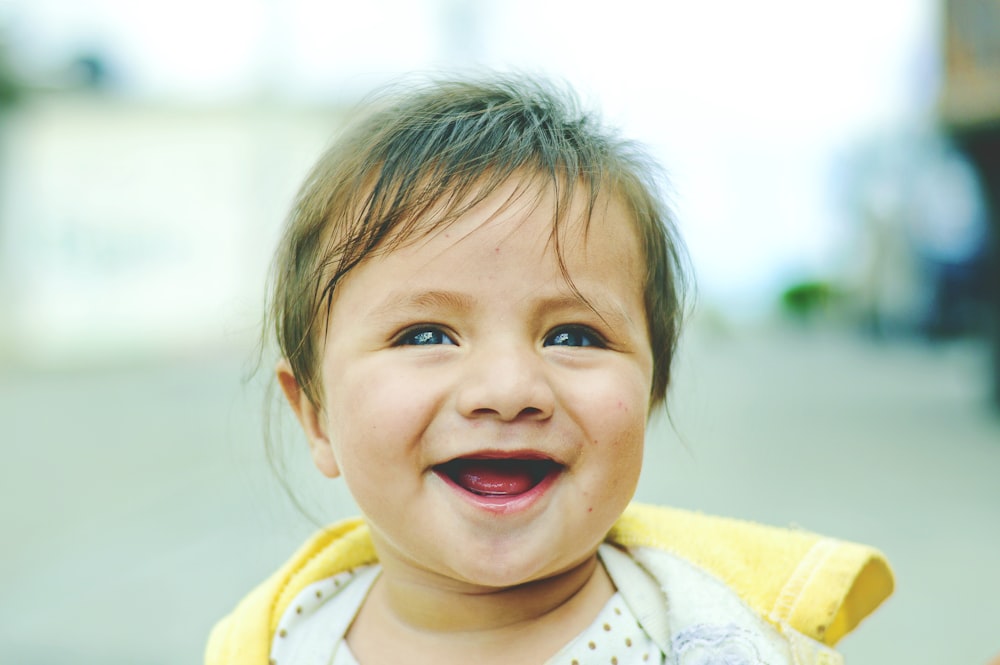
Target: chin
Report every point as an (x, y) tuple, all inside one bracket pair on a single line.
[(499, 580), (497, 572)]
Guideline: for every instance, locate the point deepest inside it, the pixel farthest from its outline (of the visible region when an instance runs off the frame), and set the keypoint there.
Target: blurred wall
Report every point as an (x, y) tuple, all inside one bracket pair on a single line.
[(132, 227)]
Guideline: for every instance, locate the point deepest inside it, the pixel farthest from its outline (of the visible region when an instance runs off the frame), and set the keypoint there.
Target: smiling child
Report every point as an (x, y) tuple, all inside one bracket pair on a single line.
[(477, 300)]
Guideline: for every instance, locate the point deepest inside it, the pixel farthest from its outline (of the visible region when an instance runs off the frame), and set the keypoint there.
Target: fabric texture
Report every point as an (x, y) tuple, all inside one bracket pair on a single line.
[(313, 629), (820, 587)]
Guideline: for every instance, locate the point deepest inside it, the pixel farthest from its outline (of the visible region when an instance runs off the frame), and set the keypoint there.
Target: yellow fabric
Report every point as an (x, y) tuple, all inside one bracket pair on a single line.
[(820, 587), (244, 637)]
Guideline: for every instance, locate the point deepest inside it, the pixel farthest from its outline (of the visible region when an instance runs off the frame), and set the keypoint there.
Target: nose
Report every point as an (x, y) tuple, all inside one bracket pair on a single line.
[(505, 382)]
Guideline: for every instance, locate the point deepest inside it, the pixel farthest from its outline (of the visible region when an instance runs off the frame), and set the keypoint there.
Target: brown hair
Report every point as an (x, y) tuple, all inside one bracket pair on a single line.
[(444, 146)]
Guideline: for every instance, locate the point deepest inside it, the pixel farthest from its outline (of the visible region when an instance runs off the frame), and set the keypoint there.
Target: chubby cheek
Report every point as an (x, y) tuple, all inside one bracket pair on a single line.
[(613, 416), (377, 420), (623, 448)]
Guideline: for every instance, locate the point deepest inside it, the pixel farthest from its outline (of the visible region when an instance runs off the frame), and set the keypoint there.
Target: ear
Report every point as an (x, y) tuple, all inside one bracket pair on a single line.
[(312, 419)]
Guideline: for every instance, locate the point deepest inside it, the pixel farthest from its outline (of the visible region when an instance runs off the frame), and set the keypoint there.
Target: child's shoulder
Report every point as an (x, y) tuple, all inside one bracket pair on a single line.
[(805, 588), (244, 636)]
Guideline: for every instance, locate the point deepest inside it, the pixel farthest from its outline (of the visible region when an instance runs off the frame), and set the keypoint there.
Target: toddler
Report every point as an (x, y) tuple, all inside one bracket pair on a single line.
[(477, 301)]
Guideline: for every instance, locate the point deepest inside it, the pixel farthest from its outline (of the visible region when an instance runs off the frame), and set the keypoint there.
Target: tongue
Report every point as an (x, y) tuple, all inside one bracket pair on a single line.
[(496, 477)]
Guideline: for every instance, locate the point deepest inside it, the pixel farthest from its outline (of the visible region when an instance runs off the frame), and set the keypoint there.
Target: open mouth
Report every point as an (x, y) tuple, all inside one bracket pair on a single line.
[(503, 477)]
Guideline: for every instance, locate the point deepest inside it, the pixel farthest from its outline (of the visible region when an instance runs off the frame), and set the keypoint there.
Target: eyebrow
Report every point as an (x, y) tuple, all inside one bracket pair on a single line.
[(449, 300), (610, 312)]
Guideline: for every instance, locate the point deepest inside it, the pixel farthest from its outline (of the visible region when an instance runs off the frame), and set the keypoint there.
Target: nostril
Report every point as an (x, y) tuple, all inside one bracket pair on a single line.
[(484, 411), (527, 412)]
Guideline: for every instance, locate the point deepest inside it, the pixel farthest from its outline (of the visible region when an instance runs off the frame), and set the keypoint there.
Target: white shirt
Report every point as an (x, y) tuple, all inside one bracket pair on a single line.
[(312, 630)]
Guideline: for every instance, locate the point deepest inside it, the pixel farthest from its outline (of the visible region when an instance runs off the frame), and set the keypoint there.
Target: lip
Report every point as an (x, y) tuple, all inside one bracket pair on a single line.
[(508, 503)]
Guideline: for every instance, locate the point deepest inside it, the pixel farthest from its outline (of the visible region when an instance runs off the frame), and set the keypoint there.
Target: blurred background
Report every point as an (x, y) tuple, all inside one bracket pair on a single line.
[(835, 171)]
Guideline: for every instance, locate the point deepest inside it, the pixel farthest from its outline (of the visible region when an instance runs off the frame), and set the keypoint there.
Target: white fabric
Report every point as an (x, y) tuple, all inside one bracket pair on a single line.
[(615, 637), (706, 622), (312, 630)]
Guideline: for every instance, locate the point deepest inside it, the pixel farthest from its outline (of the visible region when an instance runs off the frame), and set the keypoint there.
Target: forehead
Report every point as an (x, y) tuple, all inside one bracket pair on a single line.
[(569, 223)]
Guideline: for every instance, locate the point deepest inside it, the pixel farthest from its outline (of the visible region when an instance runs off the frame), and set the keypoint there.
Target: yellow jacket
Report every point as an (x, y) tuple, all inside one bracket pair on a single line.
[(820, 587)]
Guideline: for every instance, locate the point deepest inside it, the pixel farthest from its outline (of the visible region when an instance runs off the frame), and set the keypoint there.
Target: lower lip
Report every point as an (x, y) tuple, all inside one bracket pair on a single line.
[(504, 504)]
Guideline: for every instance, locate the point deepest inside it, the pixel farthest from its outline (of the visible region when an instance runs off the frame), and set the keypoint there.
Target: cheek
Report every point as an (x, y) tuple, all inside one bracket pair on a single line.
[(377, 412), (626, 448), (626, 412), (613, 413), (620, 396)]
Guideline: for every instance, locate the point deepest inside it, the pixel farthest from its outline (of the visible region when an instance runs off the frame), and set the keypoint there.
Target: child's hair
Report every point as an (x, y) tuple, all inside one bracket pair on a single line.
[(425, 154)]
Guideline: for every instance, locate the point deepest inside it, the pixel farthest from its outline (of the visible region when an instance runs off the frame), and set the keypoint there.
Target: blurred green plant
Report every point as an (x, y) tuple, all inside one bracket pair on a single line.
[(807, 299)]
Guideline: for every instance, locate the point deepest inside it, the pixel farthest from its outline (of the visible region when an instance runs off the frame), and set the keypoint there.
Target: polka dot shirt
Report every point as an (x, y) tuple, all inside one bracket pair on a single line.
[(614, 638), (312, 630)]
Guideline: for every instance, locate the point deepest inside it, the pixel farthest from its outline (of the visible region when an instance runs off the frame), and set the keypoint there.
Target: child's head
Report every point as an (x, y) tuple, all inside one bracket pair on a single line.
[(440, 149), (476, 301)]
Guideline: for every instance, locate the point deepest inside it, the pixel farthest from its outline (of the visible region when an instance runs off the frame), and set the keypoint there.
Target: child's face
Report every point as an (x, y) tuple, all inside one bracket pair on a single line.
[(487, 421)]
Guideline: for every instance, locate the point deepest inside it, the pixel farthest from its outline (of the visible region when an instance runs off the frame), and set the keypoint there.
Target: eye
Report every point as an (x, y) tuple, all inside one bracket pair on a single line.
[(574, 336), (423, 336)]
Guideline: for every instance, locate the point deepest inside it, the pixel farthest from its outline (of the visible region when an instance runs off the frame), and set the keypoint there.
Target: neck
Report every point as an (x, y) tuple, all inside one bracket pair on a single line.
[(448, 608), (404, 617)]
